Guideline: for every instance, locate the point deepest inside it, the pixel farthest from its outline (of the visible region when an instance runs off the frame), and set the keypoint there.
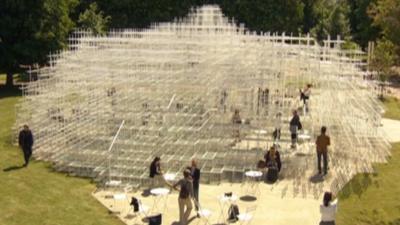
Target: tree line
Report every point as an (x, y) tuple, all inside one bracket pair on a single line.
[(31, 29)]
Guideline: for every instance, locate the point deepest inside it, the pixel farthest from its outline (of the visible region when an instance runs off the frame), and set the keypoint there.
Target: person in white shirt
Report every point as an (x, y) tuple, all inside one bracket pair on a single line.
[(328, 209)]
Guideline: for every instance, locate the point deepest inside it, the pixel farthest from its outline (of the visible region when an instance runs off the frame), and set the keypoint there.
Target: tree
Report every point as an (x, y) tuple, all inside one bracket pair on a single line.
[(29, 30), (383, 59), (386, 15), (361, 24), (267, 15), (94, 20), (332, 19)]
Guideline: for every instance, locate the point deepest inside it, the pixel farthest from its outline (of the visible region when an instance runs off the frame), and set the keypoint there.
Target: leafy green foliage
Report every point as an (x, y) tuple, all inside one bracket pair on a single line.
[(94, 20), (362, 29), (331, 19), (267, 15), (386, 14), (384, 57), (30, 29)]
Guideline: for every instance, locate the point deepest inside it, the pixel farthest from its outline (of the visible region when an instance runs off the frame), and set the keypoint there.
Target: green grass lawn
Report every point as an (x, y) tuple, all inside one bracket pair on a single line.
[(374, 199), (392, 106), (36, 195)]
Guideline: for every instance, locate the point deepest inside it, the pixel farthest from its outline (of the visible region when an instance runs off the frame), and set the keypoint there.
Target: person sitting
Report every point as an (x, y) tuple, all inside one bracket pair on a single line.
[(273, 158), (273, 164), (328, 210), (155, 170)]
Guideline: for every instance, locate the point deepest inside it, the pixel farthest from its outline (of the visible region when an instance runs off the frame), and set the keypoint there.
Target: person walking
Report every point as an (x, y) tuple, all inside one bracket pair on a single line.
[(322, 143), (25, 141), (305, 96), (328, 209), (295, 125), (185, 195), (195, 174)]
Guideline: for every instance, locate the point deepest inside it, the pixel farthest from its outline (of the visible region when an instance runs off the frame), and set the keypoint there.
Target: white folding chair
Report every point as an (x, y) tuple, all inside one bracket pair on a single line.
[(140, 214), (121, 197), (247, 217)]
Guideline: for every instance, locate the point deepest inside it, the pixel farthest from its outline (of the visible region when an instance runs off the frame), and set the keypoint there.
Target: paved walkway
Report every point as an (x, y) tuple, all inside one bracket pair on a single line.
[(287, 202), (272, 207), (391, 128)]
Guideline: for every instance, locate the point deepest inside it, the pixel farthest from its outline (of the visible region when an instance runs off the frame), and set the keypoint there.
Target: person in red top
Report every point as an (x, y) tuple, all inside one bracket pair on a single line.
[(322, 143)]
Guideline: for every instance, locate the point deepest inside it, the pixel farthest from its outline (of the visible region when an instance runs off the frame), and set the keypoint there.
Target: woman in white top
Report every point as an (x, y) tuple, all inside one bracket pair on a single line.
[(328, 210)]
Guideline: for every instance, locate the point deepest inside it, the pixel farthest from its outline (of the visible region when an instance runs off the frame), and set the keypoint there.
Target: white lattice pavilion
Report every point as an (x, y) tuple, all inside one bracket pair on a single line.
[(176, 85)]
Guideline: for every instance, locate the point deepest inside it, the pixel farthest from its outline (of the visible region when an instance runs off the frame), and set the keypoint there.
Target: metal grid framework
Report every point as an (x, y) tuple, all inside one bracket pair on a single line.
[(176, 86)]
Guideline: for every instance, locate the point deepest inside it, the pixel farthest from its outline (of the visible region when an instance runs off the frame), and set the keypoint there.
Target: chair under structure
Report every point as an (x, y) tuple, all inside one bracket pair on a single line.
[(247, 217)]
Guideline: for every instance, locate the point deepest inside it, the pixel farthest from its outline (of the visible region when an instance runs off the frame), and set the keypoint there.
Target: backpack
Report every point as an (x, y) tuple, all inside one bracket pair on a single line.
[(233, 213), (155, 219), (299, 126)]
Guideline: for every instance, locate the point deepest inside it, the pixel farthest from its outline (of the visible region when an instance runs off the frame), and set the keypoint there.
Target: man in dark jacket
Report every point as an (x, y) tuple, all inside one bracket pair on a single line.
[(195, 174), (294, 126), (25, 141)]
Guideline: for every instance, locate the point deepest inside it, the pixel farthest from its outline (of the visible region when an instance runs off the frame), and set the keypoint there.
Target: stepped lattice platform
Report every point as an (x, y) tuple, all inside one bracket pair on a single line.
[(176, 86)]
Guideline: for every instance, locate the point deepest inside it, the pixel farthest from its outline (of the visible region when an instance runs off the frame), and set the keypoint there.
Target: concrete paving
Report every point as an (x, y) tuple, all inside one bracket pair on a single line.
[(271, 206), (293, 199), (391, 128)]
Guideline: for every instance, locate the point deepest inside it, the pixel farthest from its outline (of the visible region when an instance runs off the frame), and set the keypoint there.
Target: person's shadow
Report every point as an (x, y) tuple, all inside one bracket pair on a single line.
[(12, 168), (317, 178)]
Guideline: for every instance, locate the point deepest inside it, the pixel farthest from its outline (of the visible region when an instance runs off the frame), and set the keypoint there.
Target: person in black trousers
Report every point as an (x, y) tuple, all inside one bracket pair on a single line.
[(294, 126), (25, 141), (195, 174), (155, 172)]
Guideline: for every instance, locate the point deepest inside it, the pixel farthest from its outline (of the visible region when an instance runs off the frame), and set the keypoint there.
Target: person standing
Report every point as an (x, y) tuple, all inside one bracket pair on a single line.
[(278, 126), (195, 174), (236, 121), (25, 141), (305, 96), (328, 210), (322, 143), (155, 172), (295, 125), (185, 195)]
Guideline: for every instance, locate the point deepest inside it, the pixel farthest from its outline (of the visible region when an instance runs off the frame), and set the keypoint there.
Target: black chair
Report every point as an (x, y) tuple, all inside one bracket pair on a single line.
[(155, 219)]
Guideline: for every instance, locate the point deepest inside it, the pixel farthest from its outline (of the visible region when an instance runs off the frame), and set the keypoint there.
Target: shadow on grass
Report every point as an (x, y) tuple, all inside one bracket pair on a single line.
[(14, 91), (12, 168), (358, 185)]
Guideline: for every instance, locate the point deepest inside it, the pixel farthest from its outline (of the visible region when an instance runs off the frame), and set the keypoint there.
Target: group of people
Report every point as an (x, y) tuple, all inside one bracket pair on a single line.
[(188, 187)]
